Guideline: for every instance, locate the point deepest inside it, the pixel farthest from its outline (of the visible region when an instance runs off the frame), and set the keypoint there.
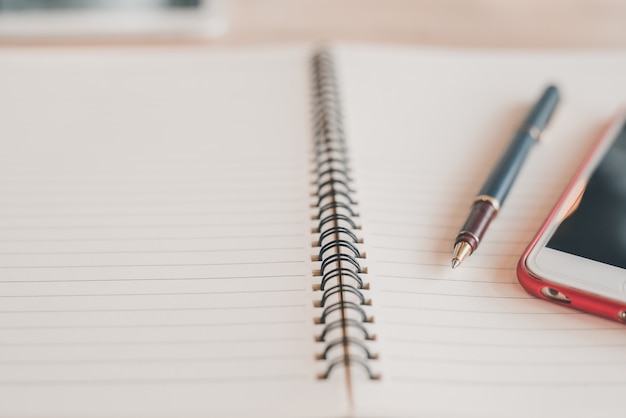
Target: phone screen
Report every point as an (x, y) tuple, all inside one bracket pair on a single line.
[(596, 229), (25, 5)]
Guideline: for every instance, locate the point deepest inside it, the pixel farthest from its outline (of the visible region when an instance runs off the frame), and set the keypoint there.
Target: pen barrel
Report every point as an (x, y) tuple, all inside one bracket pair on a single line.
[(503, 175), (495, 190), (483, 212), (542, 112)]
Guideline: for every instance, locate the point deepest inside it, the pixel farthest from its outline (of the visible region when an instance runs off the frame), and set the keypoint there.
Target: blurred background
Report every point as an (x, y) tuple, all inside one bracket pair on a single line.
[(485, 23), (474, 23), (70, 4)]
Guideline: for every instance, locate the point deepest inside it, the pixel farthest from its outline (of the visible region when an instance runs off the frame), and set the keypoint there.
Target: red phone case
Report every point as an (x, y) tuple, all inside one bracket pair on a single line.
[(578, 299)]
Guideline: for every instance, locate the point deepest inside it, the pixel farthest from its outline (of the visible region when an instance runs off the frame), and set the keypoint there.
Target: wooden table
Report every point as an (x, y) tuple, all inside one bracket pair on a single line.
[(476, 23), (471, 23)]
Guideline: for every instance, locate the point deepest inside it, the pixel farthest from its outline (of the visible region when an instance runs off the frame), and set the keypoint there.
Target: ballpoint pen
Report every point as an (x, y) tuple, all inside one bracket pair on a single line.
[(493, 193)]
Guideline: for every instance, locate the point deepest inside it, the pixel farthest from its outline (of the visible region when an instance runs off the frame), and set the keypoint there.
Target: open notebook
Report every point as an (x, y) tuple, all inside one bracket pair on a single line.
[(258, 233)]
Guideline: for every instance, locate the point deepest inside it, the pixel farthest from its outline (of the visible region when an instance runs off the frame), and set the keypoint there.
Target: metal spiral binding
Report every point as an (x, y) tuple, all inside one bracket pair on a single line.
[(343, 288)]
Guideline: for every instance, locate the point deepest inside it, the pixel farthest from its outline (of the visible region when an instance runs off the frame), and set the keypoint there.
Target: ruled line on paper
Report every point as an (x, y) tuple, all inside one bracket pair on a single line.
[(22, 215), (568, 345), (535, 383), (156, 226), (177, 169), (143, 360), (155, 381), (134, 279), (221, 341), (231, 195), (153, 294), (430, 251), (157, 360), (154, 265), (435, 237), (197, 251), (450, 279), (516, 362), (163, 309), (162, 202), (616, 328), (470, 311), (140, 326), (215, 237), (446, 265), (148, 186), (413, 292), (445, 230)]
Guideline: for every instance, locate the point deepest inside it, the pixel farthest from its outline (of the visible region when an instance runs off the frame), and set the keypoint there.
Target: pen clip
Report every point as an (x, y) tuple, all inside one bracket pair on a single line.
[(536, 133)]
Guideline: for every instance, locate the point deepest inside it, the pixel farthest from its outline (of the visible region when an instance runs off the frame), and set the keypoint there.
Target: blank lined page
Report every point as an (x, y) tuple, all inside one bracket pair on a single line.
[(425, 128), (153, 235)]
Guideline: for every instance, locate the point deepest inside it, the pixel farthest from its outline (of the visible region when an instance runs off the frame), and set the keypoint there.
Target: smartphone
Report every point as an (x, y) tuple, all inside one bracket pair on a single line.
[(106, 19), (578, 257)]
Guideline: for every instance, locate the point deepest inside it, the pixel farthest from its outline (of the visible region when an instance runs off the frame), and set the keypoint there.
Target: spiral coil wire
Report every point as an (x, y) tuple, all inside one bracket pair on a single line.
[(343, 300)]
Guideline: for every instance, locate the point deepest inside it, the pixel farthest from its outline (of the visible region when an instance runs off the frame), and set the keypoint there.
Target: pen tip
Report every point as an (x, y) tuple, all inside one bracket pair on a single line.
[(462, 250)]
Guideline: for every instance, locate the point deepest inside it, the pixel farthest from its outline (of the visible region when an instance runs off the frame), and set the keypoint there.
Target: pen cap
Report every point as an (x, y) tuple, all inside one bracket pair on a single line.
[(504, 173), (541, 113)]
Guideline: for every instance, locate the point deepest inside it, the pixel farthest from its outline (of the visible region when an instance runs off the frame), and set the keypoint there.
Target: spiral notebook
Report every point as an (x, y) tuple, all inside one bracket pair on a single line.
[(267, 233)]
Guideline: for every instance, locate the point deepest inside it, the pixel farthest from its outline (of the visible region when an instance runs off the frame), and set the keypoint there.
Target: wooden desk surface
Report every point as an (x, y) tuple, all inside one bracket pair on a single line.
[(476, 23), (470, 23)]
